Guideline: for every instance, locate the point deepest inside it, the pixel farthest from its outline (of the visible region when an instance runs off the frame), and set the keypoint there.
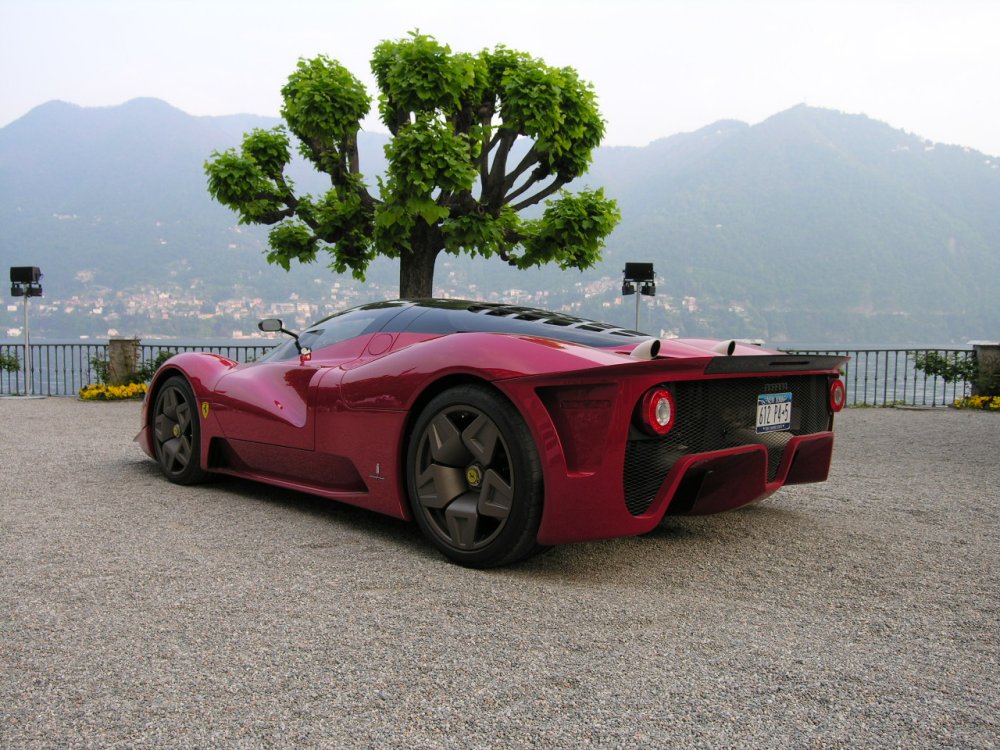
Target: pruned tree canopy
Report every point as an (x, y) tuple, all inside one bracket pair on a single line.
[(452, 183)]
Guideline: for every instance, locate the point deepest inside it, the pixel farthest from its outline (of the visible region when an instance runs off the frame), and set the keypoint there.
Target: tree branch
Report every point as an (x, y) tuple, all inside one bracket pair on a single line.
[(531, 158), (275, 216), (350, 147), (507, 257), (493, 185), (532, 181), (541, 195), (486, 145), (287, 196)]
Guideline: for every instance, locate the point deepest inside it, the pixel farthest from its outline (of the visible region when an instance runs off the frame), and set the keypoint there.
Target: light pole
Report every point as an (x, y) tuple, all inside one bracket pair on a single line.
[(641, 275), (26, 281)]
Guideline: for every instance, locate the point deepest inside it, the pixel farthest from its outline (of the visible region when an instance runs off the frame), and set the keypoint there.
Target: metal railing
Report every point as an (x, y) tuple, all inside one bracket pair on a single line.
[(56, 369), (889, 377), (874, 377), (236, 352), (63, 369)]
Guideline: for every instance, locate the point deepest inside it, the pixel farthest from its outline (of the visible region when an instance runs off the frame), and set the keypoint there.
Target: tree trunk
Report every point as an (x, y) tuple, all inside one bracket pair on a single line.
[(416, 273)]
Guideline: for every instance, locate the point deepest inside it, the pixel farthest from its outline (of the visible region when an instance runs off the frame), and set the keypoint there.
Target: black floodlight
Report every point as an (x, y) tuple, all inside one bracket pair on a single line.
[(638, 276), (25, 275), (25, 281), (639, 271)]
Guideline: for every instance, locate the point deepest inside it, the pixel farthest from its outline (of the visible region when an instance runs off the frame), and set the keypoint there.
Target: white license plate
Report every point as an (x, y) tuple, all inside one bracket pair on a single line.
[(774, 412)]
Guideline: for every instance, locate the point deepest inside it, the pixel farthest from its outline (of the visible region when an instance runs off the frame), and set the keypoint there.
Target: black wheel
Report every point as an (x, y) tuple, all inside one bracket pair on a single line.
[(474, 479), (176, 432)]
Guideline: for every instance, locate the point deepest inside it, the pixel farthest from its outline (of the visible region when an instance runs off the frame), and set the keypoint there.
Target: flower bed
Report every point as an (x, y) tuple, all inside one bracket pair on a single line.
[(987, 403), (102, 392)]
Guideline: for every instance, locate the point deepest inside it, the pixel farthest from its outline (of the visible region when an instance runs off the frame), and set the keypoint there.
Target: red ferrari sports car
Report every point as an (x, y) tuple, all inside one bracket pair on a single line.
[(499, 429)]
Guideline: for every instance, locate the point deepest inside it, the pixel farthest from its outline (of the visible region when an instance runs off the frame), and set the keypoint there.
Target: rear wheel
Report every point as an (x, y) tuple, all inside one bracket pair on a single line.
[(474, 478), (177, 433)]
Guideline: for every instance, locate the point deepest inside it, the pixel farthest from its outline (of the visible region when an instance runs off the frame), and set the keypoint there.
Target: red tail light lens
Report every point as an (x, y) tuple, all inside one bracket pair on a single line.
[(838, 395), (658, 411)]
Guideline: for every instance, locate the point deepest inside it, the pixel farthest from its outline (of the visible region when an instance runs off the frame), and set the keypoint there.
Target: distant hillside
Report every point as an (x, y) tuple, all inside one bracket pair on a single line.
[(815, 214), (813, 226), (120, 191)]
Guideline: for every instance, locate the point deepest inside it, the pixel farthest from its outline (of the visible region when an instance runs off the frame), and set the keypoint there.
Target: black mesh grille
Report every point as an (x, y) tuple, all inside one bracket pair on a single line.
[(717, 414)]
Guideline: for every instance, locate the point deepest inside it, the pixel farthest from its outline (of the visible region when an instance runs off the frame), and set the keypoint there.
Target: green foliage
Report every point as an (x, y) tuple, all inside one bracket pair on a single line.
[(9, 362), (553, 106), (421, 76), (101, 368), (251, 181), (148, 368), (290, 241), (937, 365), (952, 369), (455, 119), (988, 384), (570, 232), (143, 374), (323, 104)]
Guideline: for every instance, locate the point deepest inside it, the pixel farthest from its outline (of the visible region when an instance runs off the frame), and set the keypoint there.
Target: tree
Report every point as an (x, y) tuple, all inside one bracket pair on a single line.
[(452, 183)]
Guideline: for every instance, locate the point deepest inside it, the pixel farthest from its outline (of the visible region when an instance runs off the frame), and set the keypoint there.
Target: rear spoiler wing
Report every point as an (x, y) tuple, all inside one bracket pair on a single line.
[(763, 363), (695, 367)]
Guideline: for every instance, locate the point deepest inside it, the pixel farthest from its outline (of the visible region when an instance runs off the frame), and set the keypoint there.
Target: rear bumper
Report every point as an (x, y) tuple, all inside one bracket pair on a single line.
[(697, 484)]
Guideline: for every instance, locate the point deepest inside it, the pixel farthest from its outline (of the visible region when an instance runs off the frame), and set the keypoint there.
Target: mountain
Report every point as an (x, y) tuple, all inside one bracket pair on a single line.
[(817, 214), (812, 226)]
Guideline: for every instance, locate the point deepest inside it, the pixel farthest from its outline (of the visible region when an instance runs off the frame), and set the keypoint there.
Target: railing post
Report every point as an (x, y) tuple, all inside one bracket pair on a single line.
[(123, 360), (988, 357)]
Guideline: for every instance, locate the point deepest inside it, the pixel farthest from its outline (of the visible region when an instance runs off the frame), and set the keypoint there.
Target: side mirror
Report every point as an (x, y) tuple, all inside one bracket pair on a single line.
[(274, 325), (270, 325)]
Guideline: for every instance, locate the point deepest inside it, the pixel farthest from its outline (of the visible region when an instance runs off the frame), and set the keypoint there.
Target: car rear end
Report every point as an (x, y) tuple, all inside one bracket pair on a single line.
[(627, 444)]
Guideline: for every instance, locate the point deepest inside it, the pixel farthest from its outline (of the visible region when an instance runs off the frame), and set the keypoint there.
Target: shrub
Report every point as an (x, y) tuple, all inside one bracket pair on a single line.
[(950, 370), (143, 374)]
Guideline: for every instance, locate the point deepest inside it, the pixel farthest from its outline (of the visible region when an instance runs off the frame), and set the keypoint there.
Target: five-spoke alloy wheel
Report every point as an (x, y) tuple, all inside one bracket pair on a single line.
[(176, 432), (474, 479)]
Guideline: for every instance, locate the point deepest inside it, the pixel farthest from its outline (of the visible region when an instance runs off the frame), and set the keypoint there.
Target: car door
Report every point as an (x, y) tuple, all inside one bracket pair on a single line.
[(272, 401)]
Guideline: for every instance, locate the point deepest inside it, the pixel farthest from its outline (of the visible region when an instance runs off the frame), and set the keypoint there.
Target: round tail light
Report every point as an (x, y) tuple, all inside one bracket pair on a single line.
[(658, 411), (838, 395)]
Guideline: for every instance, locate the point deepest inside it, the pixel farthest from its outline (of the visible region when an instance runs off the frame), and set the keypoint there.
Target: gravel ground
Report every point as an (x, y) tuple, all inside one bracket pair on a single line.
[(862, 612)]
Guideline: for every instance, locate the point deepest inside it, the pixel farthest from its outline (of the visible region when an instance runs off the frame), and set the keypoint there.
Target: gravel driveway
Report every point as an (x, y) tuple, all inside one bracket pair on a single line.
[(858, 613)]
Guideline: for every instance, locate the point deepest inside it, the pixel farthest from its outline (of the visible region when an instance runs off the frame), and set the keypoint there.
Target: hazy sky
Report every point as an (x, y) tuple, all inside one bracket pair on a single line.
[(932, 68)]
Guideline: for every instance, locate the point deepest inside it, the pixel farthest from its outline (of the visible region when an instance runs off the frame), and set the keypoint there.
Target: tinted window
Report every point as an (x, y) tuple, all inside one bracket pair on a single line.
[(339, 327)]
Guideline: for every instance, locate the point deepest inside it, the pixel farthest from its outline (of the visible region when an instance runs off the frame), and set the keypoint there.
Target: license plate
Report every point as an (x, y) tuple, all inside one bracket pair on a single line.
[(774, 412)]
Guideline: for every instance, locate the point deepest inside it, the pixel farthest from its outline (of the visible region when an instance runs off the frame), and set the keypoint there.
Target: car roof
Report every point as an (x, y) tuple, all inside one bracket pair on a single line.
[(445, 316)]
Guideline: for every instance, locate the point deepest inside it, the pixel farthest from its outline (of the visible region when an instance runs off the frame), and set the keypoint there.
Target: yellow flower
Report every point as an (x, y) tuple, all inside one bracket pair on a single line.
[(989, 403), (102, 392)]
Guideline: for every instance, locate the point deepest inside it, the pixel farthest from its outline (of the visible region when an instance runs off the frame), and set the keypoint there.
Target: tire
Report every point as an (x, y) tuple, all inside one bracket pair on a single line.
[(177, 432), (474, 479)]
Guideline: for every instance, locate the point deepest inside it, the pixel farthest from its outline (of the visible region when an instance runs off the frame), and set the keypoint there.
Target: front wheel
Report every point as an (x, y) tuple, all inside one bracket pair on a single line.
[(474, 478), (177, 433)]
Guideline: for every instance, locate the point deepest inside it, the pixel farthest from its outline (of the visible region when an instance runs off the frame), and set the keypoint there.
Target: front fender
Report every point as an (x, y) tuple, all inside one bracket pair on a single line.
[(203, 371)]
